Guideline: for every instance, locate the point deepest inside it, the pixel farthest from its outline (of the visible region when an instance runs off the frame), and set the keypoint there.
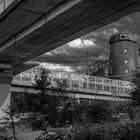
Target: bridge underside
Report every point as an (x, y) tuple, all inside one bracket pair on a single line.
[(30, 28)]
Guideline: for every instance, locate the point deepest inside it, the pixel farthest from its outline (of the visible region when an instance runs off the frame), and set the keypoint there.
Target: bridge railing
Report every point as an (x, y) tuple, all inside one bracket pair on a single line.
[(93, 83), (78, 82), (25, 79)]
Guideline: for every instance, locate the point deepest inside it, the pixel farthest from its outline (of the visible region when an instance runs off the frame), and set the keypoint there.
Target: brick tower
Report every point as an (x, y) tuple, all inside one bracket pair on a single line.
[(123, 55)]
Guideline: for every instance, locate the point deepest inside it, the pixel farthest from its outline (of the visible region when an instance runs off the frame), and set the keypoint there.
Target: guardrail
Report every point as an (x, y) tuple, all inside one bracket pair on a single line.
[(81, 82)]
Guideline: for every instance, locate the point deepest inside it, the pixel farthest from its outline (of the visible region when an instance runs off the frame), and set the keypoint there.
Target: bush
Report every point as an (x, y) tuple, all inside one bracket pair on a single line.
[(124, 132), (100, 112)]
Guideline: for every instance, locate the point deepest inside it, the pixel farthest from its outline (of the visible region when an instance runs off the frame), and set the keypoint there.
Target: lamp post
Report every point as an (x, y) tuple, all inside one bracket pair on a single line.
[(115, 102), (88, 52)]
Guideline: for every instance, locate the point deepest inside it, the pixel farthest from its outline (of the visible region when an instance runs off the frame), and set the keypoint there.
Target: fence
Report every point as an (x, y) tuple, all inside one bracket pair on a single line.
[(81, 82)]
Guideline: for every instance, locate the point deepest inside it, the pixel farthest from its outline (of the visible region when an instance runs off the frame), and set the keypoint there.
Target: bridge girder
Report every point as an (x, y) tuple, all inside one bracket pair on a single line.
[(31, 28)]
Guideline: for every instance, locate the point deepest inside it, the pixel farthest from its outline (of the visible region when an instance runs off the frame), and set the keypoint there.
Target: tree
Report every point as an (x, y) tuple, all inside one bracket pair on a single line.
[(26, 102), (60, 88), (100, 112), (135, 94), (100, 68), (133, 106), (43, 84), (11, 114), (56, 110)]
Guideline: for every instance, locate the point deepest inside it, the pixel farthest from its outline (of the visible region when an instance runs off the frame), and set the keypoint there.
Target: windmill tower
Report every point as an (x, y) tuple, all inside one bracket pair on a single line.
[(123, 55)]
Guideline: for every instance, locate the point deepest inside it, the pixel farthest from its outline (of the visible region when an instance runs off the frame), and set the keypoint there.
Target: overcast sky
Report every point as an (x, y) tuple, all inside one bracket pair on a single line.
[(73, 56)]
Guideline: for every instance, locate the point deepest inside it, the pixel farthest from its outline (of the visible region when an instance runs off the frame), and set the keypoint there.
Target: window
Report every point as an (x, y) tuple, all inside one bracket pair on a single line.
[(126, 61), (123, 36), (125, 50), (126, 71)]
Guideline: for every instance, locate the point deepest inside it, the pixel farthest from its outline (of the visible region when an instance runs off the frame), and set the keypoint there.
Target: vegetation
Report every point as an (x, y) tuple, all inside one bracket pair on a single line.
[(101, 112), (136, 87), (50, 113), (43, 84), (68, 111), (26, 102), (130, 131), (100, 68), (10, 117)]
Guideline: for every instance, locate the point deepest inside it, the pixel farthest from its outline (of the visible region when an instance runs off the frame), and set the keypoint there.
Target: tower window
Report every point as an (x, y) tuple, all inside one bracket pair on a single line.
[(126, 71), (123, 36), (126, 61), (125, 50)]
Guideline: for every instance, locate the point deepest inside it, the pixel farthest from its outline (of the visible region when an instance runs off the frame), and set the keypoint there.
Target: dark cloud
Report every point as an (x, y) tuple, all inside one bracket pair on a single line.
[(74, 54)]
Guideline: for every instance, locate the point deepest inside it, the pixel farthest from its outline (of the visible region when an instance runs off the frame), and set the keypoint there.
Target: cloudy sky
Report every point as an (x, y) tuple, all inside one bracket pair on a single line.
[(73, 56)]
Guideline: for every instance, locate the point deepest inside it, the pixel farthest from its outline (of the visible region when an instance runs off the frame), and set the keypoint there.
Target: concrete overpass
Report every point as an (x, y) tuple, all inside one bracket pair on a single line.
[(29, 28)]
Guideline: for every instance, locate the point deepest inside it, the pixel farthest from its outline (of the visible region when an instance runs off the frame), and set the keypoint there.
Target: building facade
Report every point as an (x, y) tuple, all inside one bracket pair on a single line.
[(123, 55)]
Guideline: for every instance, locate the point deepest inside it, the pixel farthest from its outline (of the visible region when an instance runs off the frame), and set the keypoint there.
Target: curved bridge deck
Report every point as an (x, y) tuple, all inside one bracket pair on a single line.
[(82, 86)]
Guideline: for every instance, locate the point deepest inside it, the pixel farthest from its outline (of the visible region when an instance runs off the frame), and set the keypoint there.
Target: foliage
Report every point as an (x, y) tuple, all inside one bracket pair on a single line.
[(47, 107), (43, 82), (97, 113), (134, 106), (100, 68), (67, 112), (32, 103), (122, 107), (100, 112), (26, 102), (130, 131), (17, 100), (135, 95), (36, 121), (10, 116), (60, 86), (51, 114)]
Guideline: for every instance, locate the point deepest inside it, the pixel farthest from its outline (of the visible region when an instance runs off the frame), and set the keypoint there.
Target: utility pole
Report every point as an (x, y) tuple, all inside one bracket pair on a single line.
[(115, 102), (88, 52)]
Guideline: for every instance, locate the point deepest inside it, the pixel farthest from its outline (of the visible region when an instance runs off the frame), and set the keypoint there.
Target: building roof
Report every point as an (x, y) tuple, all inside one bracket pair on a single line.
[(123, 35)]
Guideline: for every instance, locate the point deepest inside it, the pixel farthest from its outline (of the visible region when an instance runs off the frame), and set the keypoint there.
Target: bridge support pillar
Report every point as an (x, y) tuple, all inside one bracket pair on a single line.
[(6, 75)]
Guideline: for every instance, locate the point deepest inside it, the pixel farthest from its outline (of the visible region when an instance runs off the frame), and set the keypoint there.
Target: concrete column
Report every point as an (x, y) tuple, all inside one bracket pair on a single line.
[(6, 75)]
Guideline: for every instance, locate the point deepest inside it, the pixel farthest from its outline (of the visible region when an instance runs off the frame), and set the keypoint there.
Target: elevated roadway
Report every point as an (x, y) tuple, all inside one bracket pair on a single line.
[(29, 28)]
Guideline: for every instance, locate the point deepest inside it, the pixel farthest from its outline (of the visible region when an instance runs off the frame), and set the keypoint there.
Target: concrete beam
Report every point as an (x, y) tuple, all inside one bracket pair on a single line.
[(52, 15), (6, 76), (63, 23)]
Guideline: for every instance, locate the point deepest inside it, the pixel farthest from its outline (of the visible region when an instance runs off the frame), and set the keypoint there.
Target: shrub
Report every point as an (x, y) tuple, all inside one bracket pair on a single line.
[(124, 132), (100, 112)]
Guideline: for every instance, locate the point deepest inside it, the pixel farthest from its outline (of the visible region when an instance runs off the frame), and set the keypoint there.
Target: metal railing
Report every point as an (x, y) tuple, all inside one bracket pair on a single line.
[(80, 82), (93, 83)]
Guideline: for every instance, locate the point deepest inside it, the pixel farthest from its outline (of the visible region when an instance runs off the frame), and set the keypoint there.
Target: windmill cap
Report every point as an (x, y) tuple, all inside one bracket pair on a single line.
[(123, 35)]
